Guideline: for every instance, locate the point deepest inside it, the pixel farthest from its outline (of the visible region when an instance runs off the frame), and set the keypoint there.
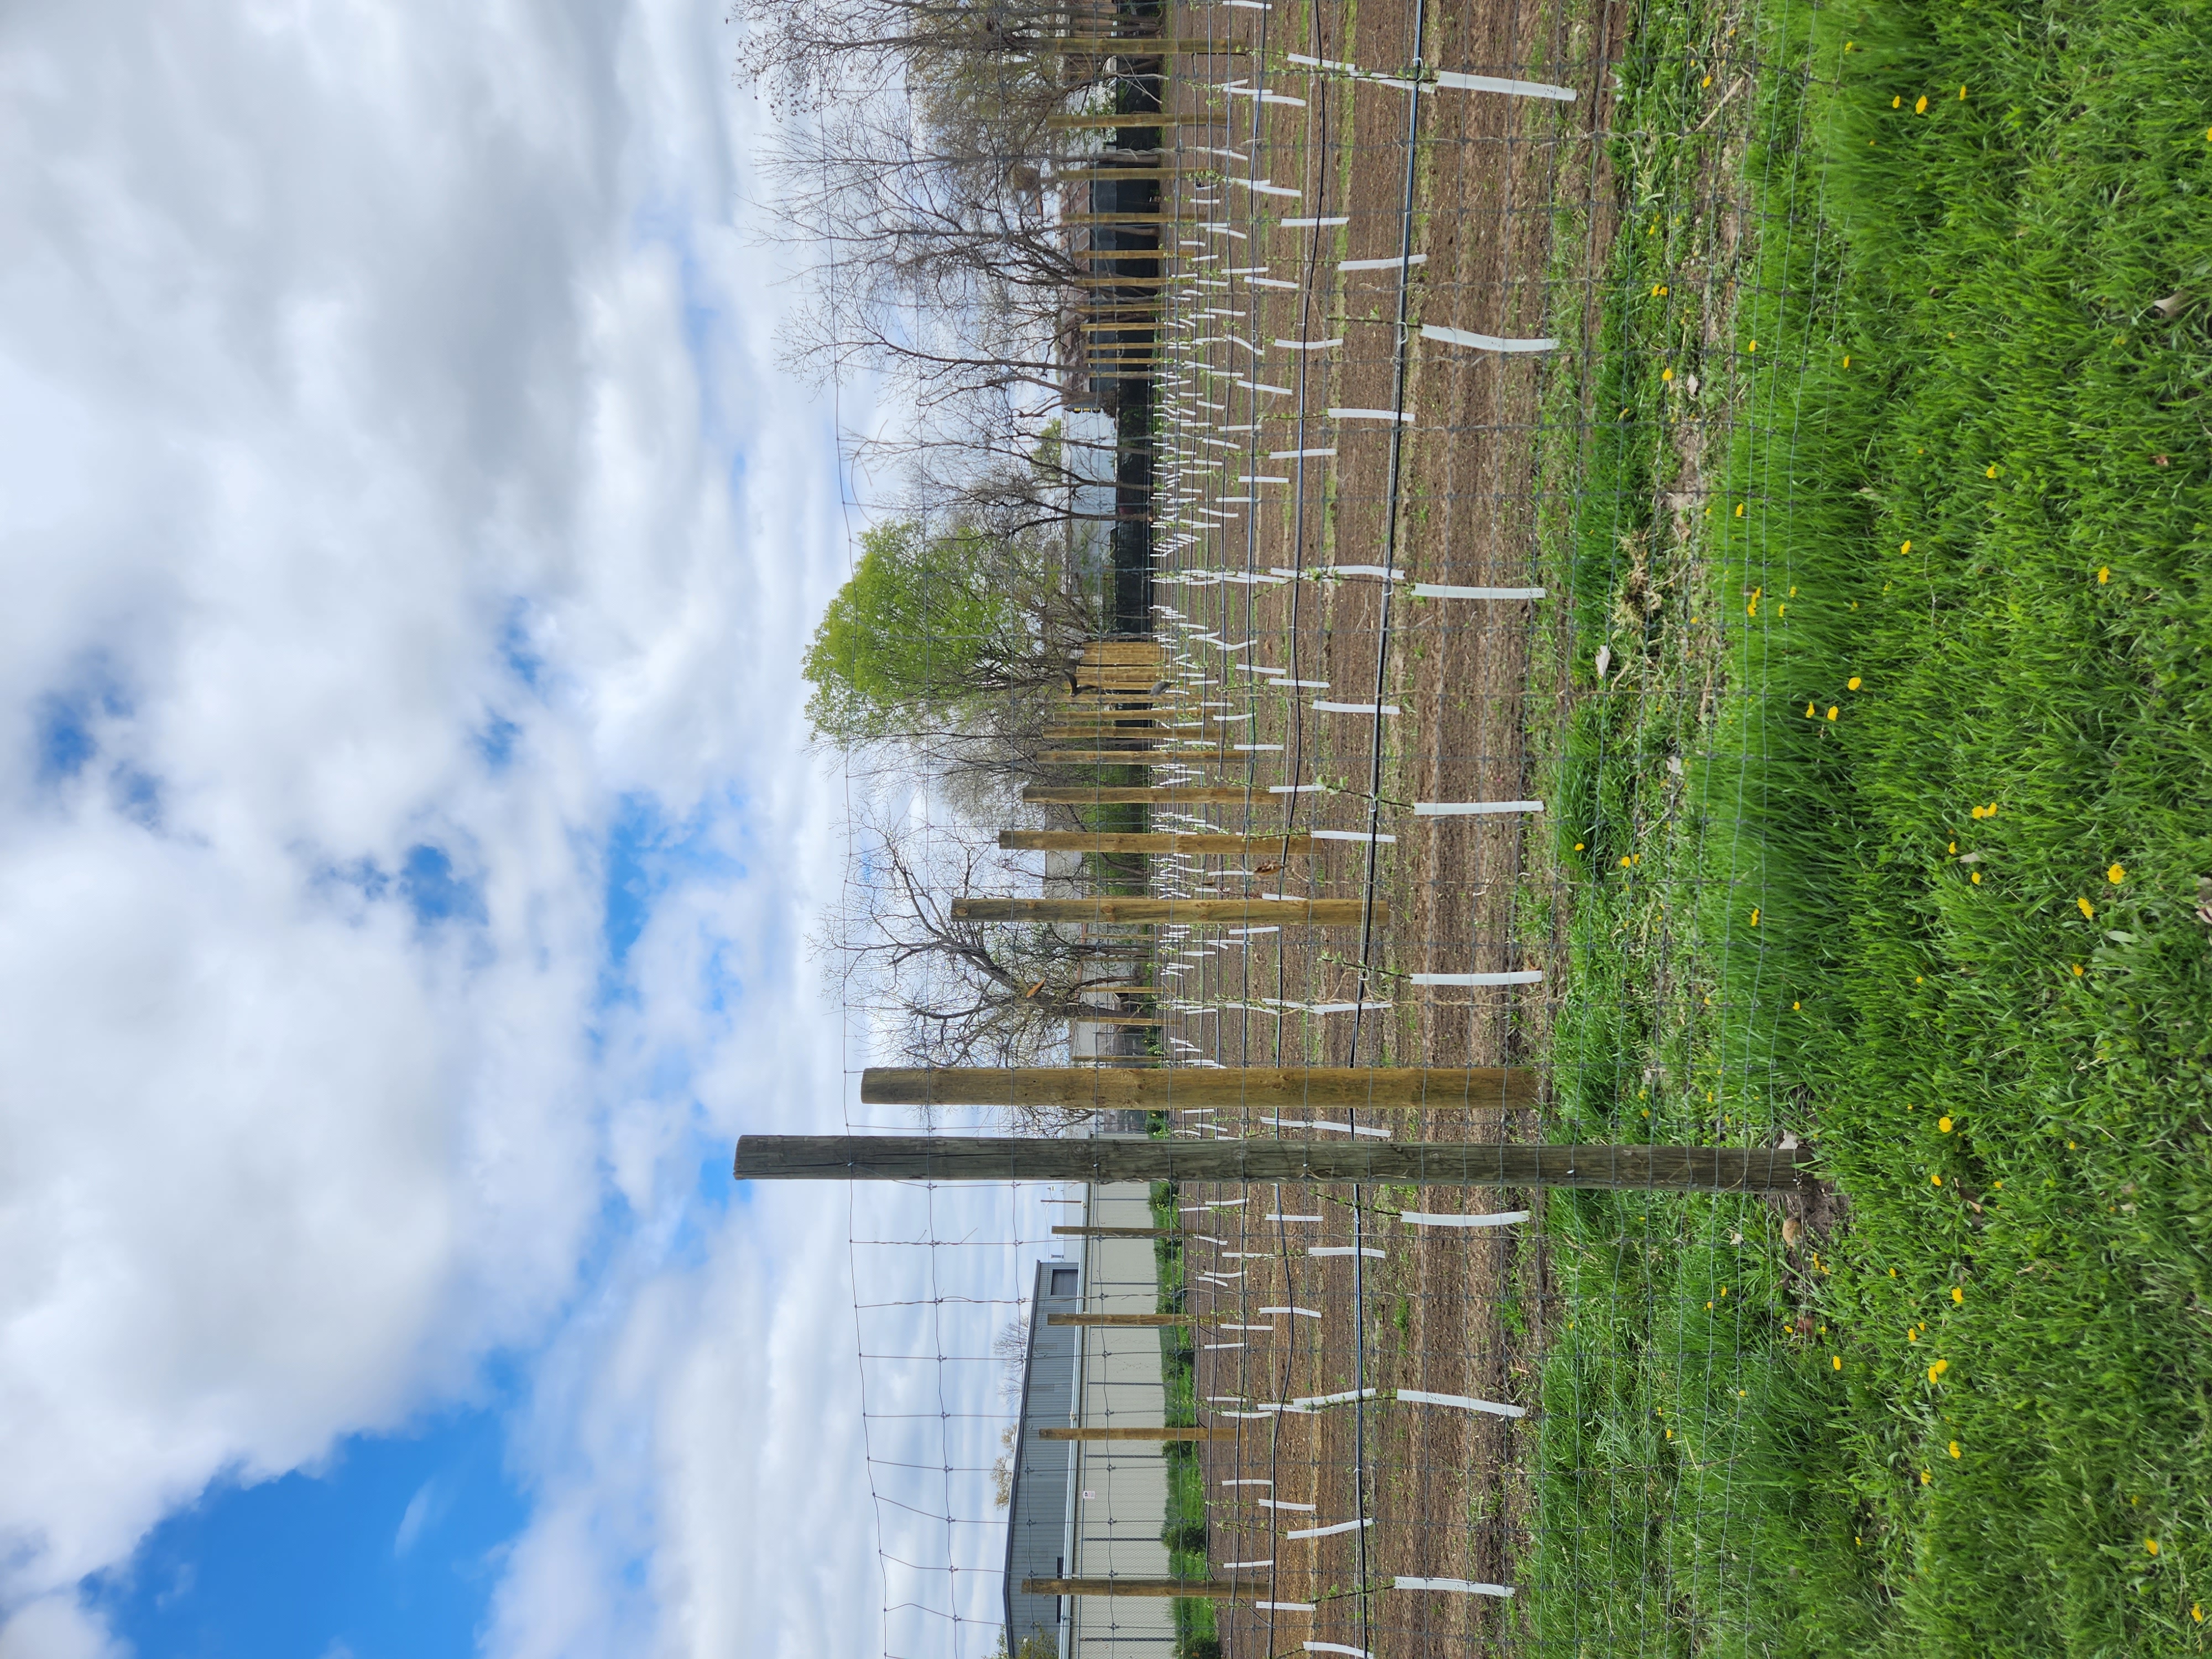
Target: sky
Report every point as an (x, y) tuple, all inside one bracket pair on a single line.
[(407, 842)]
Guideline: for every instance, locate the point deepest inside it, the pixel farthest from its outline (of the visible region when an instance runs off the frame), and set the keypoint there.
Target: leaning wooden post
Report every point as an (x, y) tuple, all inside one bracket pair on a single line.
[(1236, 1163)]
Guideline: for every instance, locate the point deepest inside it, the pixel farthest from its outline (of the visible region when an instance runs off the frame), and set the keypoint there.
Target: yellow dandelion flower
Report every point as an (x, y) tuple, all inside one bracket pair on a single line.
[(2151, 1544), (1906, 548), (1809, 711), (1795, 1006), (1579, 846), (2077, 970), (1962, 94), (1847, 360), (1739, 509), (1707, 81), (1837, 1360), (1920, 107), (1852, 684), (1670, 1434), (1958, 1293), (1624, 860), (1939, 1368), (1993, 472), (2104, 574), (2071, 1147), (2116, 875), (1954, 848), (1832, 711), (1955, 1448), (1897, 102), (1753, 346), (1925, 1477), (1935, 1180), (1977, 877), (2196, 1608), (2086, 908), (1666, 374), (1943, 1126), (1754, 915)]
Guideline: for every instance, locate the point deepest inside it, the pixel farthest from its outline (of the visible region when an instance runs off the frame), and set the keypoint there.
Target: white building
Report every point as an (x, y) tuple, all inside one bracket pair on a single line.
[(1091, 1509)]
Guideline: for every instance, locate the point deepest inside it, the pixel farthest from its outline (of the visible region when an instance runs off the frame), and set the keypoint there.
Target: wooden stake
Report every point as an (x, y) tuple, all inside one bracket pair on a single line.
[(1154, 1435), (1433, 1088), (1418, 1163), (1314, 912)]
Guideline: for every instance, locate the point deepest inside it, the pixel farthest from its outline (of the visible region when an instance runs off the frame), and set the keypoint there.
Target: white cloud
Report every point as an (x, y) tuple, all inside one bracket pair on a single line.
[(387, 462)]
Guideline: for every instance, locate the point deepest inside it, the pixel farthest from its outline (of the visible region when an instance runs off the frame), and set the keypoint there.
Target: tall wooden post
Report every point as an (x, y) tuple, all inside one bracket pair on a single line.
[(1084, 1088), (1316, 912), (1217, 1589), (1168, 794), (1151, 841), (1121, 1320), (1236, 1163)]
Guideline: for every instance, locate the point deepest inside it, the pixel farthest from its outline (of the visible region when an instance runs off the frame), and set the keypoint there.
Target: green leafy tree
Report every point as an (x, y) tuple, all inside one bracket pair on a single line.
[(932, 629)]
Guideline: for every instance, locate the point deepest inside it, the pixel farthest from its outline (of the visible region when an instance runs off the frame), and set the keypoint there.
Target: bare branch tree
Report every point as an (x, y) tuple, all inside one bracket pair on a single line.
[(945, 991)]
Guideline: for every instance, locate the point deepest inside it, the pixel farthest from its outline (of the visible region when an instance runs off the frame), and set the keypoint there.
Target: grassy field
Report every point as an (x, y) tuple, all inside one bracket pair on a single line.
[(1888, 831)]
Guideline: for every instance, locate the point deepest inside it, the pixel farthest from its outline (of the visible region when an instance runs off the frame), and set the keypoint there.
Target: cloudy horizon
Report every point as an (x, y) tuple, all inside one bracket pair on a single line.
[(410, 838)]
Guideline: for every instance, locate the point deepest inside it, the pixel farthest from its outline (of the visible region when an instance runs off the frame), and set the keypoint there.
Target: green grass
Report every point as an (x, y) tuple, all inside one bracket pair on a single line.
[(1186, 1505), (1989, 265)]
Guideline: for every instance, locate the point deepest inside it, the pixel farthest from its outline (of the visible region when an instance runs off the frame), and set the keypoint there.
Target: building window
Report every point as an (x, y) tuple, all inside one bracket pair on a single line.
[(1063, 1281)]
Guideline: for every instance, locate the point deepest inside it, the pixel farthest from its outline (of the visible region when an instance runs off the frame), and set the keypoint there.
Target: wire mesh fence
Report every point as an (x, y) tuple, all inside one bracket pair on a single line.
[(1437, 354)]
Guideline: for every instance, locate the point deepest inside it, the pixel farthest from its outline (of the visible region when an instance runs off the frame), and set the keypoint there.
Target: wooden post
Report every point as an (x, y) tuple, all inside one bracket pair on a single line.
[(1103, 1019), (1103, 651), (1088, 169), (1418, 1162), (1082, 1088), (1115, 795), (1153, 757), (1116, 1233), (1134, 45), (1146, 841), (1154, 1436), (1119, 1322), (1219, 1589), (1316, 913), (1123, 121)]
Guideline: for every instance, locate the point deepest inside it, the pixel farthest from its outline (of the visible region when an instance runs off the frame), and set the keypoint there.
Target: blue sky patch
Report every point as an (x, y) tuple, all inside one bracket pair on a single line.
[(394, 1551), (434, 892)]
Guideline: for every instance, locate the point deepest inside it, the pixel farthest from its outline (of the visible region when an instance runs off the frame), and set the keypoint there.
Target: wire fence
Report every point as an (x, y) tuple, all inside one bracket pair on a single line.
[(1446, 373)]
